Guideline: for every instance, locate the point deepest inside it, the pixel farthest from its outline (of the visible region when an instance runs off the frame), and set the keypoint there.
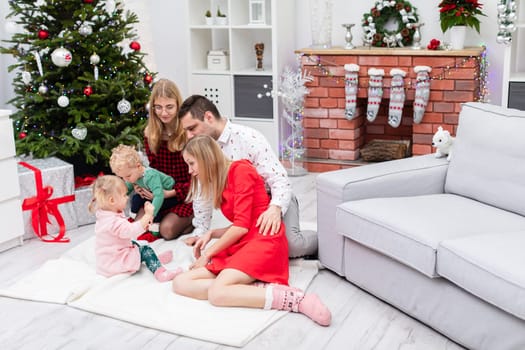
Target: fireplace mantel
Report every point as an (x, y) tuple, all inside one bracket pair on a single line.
[(333, 142)]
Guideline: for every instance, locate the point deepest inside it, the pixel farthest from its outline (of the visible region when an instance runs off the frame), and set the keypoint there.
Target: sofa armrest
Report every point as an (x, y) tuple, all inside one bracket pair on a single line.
[(404, 177)]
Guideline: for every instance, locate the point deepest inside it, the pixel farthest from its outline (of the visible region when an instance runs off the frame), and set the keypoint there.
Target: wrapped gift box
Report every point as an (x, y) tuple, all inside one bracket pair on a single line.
[(82, 198), (56, 175)]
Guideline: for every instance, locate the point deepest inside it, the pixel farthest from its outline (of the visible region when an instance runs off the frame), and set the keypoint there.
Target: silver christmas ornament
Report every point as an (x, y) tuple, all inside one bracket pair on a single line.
[(42, 89), (63, 101), (85, 29), (94, 59), (79, 133), (61, 57), (124, 106)]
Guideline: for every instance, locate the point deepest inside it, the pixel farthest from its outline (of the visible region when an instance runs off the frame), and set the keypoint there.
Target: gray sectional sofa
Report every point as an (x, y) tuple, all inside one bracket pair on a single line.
[(442, 241)]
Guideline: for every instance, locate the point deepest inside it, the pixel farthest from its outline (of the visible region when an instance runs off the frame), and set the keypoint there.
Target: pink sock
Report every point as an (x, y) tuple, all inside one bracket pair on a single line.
[(314, 308), (307, 304), (163, 275), (166, 257)]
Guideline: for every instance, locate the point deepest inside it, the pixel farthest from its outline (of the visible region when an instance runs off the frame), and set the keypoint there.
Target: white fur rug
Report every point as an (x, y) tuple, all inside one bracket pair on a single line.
[(140, 299)]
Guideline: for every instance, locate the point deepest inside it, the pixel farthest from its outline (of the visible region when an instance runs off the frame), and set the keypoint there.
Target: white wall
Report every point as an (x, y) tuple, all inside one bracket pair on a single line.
[(164, 36)]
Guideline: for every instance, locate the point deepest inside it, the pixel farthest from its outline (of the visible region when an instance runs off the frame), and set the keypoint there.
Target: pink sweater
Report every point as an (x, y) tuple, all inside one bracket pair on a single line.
[(113, 248)]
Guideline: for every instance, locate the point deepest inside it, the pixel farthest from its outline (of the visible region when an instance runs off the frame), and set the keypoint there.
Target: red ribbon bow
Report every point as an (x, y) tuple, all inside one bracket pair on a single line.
[(86, 180), (42, 206)]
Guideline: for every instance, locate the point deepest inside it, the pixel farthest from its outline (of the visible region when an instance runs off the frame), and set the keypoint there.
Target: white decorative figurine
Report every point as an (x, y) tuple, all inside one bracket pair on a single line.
[(443, 143)]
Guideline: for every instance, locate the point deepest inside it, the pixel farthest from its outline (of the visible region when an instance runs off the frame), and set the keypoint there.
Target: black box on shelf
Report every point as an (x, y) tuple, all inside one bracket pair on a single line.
[(517, 95), (251, 96)]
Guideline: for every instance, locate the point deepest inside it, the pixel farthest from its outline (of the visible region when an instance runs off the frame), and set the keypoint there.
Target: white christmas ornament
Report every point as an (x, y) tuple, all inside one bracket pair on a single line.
[(85, 29), (79, 133), (94, 59), (26, 77), (63, 101), (42, 89), (124, 106), (61, 57)]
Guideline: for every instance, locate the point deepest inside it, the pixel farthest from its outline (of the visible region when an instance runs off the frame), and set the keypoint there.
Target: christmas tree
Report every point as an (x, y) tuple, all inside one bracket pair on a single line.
[(81, 86)]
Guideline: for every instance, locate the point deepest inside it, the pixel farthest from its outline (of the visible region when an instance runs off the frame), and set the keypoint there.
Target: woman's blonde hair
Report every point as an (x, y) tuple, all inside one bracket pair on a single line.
[(124, 156), (153, 132), (105, 187), (213, 169)]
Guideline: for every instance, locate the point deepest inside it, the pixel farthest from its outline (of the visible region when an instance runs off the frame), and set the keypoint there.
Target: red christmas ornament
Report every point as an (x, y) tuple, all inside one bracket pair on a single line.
[(22, 135), (134, 45), (88, 90), (43, 34), (88, 1), (148, 79)]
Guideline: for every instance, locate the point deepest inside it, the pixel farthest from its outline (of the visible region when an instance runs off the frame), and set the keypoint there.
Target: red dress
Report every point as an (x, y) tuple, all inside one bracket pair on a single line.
[(173, 164), (264, 258)]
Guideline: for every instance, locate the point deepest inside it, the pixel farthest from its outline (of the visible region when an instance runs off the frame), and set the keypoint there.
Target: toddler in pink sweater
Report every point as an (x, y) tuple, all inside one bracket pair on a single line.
[(115, 250)]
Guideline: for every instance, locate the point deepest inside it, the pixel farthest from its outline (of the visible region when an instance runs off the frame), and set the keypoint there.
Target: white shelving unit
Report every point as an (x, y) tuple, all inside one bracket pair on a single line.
[(235, 89), (10, 204), (514, 66)]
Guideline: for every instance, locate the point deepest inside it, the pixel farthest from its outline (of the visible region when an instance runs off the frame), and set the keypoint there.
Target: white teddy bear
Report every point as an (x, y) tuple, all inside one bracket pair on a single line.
[(443, 143)]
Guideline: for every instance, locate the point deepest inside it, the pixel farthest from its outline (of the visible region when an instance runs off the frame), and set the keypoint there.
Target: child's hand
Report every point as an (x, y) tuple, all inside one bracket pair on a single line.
[(148, 208)]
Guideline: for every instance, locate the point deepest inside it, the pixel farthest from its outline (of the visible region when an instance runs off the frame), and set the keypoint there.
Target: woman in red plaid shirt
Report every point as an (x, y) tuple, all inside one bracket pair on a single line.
[(163, 141)]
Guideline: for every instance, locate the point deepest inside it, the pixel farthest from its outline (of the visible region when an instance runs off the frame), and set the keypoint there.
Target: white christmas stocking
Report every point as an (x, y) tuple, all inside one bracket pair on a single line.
[(351, 85), (397, 97), (422, 92), (375, 92)]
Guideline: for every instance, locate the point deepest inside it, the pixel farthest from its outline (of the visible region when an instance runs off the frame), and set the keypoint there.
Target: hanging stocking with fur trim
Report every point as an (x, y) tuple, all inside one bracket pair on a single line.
[(397, 97), (422, 92), (375, 92), (351, 85)]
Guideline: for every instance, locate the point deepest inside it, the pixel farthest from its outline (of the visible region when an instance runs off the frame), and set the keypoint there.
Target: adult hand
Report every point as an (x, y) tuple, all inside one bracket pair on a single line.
[(201, 243), (144, 193), (269, 221), (200, 262), (191, 240)]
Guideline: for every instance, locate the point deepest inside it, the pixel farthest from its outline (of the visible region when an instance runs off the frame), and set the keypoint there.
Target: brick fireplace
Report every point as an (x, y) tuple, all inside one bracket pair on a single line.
[(333, 142)]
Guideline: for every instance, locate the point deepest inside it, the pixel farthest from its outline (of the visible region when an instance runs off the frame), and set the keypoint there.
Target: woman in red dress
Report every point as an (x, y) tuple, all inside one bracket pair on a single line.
[(163, 142), (225, 271)]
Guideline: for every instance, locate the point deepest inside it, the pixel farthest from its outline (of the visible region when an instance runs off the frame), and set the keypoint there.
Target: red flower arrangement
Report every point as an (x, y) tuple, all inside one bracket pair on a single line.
[(459, 13), (434, 44)]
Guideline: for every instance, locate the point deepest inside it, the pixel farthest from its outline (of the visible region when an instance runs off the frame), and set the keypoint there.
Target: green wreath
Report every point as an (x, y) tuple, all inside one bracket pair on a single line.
[(386, 12)]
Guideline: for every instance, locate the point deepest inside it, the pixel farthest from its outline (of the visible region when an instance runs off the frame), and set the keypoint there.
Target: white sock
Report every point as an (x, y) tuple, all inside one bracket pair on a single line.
[(268, 298), (351, 87), (422, 92), (375, 92), (397, 97)]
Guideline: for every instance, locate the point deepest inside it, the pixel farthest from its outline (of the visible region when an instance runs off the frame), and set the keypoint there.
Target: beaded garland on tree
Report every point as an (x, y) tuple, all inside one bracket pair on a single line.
[(385, 15)]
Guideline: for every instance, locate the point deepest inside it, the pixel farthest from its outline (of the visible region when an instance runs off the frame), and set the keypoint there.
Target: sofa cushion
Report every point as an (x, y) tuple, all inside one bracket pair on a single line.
[(488, 158), (490, 266), (409, 229)]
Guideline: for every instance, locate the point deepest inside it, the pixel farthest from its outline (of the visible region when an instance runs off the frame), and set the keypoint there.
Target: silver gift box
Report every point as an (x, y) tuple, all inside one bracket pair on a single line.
[(57, 174), (82, 198)]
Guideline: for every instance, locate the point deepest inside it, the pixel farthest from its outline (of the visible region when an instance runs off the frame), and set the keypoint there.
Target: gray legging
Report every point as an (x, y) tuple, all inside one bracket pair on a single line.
[(300, 243)]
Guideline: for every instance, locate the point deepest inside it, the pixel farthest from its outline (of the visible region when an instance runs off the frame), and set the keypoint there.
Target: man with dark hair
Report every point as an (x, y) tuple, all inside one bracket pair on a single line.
[(199, 116)]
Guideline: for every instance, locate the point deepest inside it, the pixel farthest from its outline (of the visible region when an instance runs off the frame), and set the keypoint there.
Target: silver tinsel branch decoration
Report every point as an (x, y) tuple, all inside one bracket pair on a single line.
[(291, 92), (506, 18)]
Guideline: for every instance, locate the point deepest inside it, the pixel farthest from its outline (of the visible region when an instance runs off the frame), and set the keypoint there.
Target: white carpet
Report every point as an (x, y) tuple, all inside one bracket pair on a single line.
[(140, 299)]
